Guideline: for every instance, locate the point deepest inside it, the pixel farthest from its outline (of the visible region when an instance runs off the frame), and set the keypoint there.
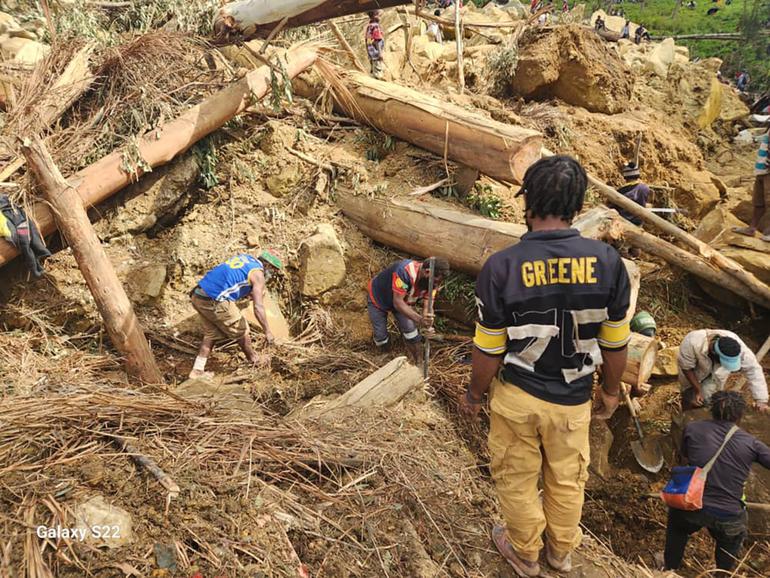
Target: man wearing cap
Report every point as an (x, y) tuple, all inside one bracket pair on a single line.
[(706, 359), (635, 190), (214, 299)]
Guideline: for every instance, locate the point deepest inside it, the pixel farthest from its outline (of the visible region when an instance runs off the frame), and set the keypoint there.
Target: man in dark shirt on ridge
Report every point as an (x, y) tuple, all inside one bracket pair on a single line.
[(723, 513), (552, 308)]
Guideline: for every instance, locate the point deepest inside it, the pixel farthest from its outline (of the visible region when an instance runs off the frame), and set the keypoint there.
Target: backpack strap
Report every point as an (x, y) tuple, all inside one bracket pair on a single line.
[(710, 464)]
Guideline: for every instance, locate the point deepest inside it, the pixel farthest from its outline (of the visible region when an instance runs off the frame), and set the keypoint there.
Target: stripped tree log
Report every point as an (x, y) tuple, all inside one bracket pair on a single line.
[(466, 240), (108, 175), (502, 151), (642, 353), (247, 19), (120, 320), (753, 288)]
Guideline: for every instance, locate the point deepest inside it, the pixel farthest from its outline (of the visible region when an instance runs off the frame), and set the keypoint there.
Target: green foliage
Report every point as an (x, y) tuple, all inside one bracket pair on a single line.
[(483, 200), (501, 67), (206, 155), (82, 19), (280, 85), (745, 16), (379, 144), (461, 288)]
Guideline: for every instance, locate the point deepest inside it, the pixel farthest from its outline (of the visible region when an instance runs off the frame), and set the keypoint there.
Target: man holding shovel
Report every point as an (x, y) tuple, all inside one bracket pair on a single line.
[(552, 308)]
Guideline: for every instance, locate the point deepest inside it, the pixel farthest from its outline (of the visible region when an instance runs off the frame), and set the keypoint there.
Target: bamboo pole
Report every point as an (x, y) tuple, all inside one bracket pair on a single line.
[(120, 320), (346, 46), (459, 38), (106, 176)]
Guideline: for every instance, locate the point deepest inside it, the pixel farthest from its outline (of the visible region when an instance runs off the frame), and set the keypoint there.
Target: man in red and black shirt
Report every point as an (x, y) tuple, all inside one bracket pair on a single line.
[(396, 290), (552, 308)]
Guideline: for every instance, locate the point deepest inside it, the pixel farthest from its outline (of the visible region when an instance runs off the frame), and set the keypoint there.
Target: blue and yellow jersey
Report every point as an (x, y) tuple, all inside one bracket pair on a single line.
[(230, 280), (549, 304)]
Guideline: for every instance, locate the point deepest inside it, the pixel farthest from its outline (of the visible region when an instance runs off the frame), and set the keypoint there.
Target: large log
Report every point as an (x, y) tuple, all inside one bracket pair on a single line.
[(107, 176), (752, 288), (642, 352), (500, 150), (247, 19), (466, 240), (689, 262), (120, 320)]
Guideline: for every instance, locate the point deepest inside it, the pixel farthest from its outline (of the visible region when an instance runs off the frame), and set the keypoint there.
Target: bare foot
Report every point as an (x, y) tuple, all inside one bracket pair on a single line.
[(748, 231)]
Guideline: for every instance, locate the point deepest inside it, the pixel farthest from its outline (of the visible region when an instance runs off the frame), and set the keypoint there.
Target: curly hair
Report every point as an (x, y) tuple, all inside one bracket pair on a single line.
[(727, 406), (554, 186)]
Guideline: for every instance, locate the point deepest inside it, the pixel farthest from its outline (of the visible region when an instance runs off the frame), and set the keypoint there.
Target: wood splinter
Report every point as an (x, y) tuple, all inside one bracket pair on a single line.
[(148, 464)]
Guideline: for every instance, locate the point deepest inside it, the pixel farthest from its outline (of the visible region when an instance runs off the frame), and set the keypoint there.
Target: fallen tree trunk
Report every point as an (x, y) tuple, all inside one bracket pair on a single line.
[(107, 176), (466, 240), (687, 261), (502, 151), (120, 320), (642, 353), (251, 18)]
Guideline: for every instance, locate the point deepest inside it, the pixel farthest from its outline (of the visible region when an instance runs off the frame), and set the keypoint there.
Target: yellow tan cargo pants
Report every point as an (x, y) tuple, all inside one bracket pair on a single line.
[(526, 436)]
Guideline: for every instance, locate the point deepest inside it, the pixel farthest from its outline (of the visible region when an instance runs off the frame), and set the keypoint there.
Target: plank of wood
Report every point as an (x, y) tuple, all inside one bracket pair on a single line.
[(275, 319)]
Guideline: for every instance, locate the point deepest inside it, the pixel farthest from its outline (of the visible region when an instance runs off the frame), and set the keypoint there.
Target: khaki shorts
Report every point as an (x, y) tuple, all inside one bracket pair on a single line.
[(221, 320), (761, 190)]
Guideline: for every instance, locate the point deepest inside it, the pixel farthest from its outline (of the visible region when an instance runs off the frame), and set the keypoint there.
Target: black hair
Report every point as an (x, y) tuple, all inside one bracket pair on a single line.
[(554, 187), (727, 406), (729, 346), (437, 13), (440, 266)]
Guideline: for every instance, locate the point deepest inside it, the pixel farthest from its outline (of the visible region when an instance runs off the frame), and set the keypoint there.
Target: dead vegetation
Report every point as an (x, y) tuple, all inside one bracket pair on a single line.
[(402, 491)]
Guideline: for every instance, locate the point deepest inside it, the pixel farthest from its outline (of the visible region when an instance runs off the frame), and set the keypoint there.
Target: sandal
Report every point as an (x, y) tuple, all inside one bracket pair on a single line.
[(748, 231), (523, 568)]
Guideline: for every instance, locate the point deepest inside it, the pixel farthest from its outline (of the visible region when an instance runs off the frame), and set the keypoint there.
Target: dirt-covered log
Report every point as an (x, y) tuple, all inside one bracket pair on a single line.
[(108, 175), (120, 320), (642, 352), (502, 151), (258, 18)]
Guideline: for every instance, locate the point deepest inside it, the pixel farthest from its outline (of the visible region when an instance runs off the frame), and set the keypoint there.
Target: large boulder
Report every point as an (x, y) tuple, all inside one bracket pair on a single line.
[(322, 262), (665, 362), (695, 189), (23, 50), (661, 57), (157, 199), (575, 65)]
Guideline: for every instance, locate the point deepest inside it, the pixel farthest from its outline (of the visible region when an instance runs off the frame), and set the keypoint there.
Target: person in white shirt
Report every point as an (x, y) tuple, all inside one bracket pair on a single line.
[(434, 30), (706, 359)]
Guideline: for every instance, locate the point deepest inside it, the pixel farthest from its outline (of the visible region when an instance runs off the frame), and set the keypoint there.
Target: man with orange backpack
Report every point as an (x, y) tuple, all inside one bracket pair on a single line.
[(723, 512)]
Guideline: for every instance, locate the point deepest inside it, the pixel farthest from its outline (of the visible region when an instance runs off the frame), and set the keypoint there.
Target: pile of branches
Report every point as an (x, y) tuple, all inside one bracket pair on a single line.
[(135, 87), (365, 494)]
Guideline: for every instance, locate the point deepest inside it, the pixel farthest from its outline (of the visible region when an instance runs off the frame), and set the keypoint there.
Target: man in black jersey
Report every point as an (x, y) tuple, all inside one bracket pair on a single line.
[(551, 310)]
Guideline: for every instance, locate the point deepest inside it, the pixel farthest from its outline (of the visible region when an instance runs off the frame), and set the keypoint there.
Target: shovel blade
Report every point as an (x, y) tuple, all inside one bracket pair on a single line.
[(648, 455)]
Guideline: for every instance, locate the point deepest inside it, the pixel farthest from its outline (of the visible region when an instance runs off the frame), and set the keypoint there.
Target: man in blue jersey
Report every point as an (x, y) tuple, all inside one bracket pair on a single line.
[(214, 299), (552, 308), (396, 290)]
